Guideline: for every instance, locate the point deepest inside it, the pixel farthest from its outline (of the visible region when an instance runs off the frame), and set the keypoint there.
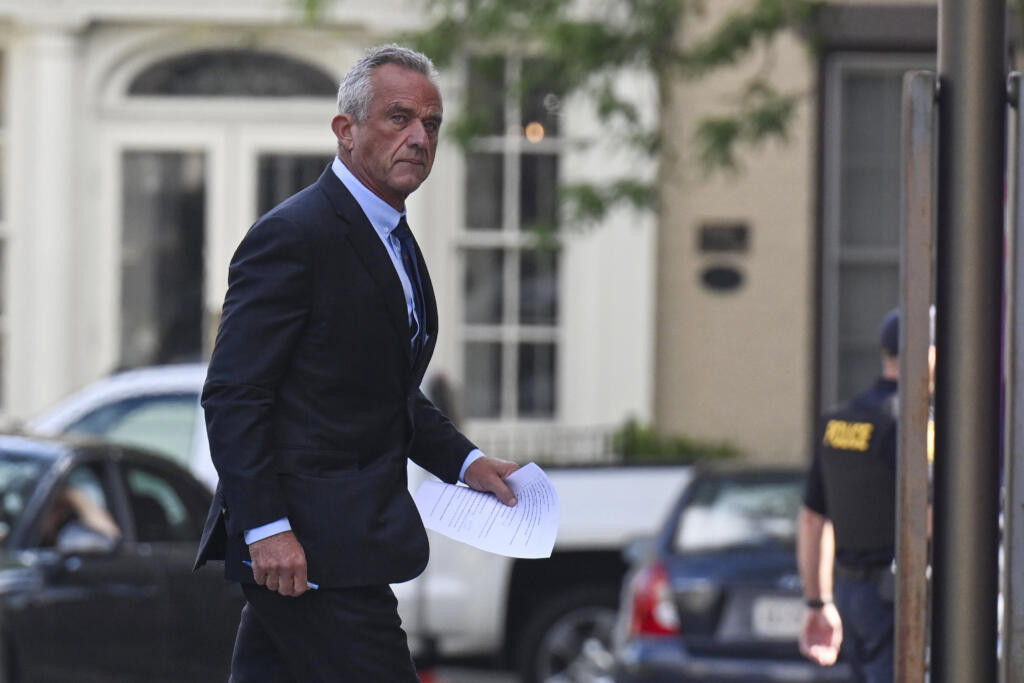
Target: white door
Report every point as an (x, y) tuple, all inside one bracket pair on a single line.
[(183, 196)]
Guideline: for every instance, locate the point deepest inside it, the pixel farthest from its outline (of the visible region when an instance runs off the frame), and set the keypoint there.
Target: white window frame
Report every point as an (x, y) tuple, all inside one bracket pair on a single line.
[(512, 240), (833, 254), (231, 132)]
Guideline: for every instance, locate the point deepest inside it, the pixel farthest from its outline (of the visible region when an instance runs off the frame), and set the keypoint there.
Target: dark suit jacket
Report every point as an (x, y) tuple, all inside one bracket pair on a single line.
[(312, 397)]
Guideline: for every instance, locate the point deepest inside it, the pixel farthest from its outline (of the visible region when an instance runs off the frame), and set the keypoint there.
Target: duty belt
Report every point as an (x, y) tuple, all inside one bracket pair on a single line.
[(867, 572)]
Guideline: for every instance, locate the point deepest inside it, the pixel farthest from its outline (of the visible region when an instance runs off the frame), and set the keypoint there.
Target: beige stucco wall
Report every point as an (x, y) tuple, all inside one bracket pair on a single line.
[(737, 365)]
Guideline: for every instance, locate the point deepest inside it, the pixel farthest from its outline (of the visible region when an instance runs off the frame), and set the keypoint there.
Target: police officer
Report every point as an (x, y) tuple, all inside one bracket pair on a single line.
[(847, 527)]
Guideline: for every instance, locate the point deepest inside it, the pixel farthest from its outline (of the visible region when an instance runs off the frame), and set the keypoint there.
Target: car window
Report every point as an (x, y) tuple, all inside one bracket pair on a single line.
[(18, 479), (739, 512), (78, 513), (165, 507), (162, 423)]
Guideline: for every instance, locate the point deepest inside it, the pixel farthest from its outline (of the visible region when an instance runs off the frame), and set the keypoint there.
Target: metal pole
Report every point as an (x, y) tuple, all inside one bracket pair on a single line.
[(915, 300), (972, 39), (1012, 665)]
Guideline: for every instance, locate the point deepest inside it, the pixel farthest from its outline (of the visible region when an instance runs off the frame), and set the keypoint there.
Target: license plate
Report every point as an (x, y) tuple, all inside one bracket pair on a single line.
[(777, 618)]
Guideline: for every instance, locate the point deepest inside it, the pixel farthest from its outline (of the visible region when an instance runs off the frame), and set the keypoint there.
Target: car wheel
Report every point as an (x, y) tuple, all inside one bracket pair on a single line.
[(569, 639)]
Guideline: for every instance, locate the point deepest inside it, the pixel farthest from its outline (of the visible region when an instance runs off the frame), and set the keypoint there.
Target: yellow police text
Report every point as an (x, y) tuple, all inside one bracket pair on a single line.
[(848, 436)]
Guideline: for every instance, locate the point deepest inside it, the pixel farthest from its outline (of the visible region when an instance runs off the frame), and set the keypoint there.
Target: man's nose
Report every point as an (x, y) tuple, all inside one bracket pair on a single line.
[(417, 134)]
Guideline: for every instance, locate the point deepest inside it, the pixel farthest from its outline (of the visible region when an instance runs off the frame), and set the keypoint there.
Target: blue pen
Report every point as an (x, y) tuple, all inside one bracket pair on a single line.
[(314, 586)]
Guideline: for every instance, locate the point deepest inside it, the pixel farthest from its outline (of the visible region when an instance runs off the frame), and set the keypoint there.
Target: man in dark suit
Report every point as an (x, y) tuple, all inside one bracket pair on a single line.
[(312, 398)]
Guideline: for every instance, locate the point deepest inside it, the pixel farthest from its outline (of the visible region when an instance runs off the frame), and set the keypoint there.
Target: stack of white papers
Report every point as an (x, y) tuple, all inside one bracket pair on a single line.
[(482, 521)]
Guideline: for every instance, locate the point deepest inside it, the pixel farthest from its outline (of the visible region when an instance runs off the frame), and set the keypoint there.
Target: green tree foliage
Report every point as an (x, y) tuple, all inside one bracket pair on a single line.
[(585, 47), (637, 443), (585, 51), (312, 10)]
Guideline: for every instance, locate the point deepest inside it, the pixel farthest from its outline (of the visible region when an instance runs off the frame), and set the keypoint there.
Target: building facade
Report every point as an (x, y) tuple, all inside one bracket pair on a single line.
[(140, 139), (810, 229)]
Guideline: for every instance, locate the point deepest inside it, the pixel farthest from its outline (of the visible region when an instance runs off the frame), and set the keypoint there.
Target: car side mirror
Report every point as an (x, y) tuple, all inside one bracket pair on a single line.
[(82, 541)]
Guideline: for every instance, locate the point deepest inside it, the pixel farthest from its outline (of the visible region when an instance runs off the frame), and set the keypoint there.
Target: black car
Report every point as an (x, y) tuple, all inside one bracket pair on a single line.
[(96, 550), (716, 595)]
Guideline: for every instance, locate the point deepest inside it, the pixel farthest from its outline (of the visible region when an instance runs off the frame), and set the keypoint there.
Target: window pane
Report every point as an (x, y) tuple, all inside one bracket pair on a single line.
[(161, 509), (538, 287), (483, 379), (164, 424), (163, 218), (282, 175), (860, 238), (866, 294), (485, 176), (871, 100), (542, 101), (484, 288), (536, 380), (538, 191), (19, 475), (858, 366), (79, 515), (870, 144), (870, 206), (485, 95), (726, 513), (233, 73)]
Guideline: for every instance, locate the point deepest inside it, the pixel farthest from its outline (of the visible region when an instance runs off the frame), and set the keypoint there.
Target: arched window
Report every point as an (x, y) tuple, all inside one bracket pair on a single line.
[(232, 73), (167, 189)]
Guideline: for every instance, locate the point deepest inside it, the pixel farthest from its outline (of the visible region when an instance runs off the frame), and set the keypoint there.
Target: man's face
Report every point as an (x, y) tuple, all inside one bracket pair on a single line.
[(392, 151)]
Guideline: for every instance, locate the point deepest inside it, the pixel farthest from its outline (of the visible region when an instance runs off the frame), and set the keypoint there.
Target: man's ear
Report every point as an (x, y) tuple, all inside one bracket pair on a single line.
[(342, 125)]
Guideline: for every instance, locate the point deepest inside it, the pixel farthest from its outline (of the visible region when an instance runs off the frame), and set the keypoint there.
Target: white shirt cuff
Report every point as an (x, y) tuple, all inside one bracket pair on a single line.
[(267, 530), (282, 525), (470, 459)]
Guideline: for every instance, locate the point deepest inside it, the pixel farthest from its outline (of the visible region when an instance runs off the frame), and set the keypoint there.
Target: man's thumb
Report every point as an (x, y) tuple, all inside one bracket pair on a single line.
[(506, 496)]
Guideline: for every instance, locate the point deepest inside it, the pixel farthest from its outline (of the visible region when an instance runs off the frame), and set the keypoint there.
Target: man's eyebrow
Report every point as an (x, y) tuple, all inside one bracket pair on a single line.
[(398, 108)]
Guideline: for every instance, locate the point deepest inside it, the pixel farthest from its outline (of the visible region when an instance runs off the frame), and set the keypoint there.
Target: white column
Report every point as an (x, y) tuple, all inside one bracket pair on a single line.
[(44, 108)]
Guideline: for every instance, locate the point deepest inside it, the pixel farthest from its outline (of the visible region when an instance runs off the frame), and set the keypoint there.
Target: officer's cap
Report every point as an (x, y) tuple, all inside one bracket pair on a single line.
[(889, 333)]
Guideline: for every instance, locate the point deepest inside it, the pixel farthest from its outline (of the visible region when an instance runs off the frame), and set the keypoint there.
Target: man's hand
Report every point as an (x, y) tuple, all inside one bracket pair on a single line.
[(279, 563), (488, 474), (822, 635)]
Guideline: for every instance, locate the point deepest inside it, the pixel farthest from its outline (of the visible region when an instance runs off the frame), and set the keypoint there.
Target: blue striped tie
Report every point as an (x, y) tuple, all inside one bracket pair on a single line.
[(412, 269)]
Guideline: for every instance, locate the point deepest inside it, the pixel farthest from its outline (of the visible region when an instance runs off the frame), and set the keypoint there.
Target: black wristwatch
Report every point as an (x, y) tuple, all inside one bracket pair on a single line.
[(815, 603)]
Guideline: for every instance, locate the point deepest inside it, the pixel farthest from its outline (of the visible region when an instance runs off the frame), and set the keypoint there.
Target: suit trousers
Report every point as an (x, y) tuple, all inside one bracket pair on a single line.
[(329, 635)]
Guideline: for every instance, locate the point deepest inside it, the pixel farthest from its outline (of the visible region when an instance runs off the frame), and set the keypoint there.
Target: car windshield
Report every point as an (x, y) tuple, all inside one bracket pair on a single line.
[(19, 475), (727, 512), (163, 423)]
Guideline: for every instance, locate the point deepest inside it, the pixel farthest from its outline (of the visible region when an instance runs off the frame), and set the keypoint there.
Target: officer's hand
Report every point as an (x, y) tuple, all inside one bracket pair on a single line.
[(279, 563), (488, 474), (822, 635)]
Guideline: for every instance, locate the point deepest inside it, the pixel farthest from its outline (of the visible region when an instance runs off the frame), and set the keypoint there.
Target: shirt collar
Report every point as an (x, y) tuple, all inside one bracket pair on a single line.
[(382, 216)]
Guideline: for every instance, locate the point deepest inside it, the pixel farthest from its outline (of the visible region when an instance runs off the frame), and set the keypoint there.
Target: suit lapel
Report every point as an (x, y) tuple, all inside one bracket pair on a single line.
[(371, 250)]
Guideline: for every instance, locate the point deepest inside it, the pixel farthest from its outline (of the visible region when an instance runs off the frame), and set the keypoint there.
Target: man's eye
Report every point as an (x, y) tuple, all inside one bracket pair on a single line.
[(398, 118)]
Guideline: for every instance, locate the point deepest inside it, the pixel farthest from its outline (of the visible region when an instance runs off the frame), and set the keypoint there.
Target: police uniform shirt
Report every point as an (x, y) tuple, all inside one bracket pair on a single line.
[(858, 443)]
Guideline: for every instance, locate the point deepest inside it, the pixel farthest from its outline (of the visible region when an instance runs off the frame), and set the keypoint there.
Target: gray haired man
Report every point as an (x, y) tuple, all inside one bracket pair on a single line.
[(313, 405)]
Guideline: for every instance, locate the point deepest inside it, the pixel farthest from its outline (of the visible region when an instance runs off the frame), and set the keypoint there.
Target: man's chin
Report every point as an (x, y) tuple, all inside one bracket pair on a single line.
[(407, 184)]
